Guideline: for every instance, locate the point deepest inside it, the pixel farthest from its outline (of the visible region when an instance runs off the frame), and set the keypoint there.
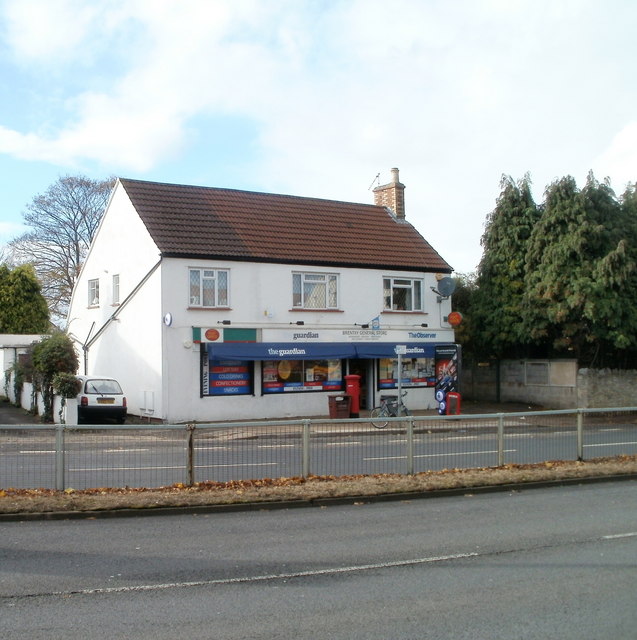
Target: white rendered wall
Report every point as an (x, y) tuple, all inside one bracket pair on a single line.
[(262, 293), (128, 348), (266, 303)]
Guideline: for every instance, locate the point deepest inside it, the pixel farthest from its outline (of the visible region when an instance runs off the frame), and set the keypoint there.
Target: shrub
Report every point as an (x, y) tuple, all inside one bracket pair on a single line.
[(66, 385), (54, 355)]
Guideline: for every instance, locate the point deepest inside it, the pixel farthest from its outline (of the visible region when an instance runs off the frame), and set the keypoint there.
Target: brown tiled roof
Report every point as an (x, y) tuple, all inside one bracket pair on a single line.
[(204, 222)]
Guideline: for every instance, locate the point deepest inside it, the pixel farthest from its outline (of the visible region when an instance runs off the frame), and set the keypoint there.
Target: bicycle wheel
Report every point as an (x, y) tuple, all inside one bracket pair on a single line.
[(376, 415)]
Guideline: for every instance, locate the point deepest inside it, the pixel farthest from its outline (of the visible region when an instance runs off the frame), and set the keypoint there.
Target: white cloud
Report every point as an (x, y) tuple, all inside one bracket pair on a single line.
[(191, 63), (453, 93), (48, 31)]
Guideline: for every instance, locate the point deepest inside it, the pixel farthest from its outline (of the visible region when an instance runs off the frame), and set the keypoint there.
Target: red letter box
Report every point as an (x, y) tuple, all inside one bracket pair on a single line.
[(353, 388)]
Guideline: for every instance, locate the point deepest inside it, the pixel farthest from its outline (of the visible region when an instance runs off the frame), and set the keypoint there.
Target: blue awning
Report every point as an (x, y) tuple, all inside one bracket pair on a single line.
[(316, 350), (388, 350), (281, 351)]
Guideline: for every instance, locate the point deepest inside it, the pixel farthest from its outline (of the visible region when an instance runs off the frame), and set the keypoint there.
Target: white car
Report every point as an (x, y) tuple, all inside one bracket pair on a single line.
[(100, 397)]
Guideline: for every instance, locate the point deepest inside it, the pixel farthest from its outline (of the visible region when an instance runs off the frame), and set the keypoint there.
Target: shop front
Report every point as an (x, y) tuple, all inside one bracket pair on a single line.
[(263, 368)]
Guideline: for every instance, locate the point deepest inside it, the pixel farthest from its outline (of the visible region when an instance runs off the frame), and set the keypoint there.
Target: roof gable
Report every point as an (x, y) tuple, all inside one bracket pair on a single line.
[(212, 223)]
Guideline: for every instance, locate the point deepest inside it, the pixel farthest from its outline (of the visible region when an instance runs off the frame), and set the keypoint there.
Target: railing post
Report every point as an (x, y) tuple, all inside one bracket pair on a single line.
[(305, 449), (410, 446), (190, 470), (500, 440), (59, 457), (580, 435)]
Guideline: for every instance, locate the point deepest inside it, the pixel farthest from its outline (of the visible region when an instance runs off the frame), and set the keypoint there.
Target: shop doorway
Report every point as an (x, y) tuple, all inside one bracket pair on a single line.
[(364, 369)]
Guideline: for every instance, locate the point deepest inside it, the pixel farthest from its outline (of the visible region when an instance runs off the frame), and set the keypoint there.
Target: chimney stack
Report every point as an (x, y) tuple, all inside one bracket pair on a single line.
[(392, 195)]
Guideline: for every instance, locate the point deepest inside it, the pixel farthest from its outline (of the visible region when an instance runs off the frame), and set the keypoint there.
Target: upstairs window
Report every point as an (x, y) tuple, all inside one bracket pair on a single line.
[(116, 289), (209, 288), (315, 290), (402, 294), (93, 293)]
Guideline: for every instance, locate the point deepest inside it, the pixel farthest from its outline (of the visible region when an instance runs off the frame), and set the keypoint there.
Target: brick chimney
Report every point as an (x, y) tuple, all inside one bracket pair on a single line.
[(391, 195)]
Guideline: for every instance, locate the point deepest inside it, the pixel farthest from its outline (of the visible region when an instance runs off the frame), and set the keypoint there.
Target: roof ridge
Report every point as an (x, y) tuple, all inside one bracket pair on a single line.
[(250, 192)]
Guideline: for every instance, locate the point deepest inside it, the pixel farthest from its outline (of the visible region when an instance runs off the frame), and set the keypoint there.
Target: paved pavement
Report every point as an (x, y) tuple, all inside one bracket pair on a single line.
[(14, 415), (10, 414)]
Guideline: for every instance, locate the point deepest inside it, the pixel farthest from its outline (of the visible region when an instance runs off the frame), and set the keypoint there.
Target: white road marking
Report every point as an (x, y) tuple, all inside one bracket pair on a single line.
[(265, 577), (293, 574), (181, 467), (236, 464), (342, 444), (439, 455), (275, 446), (27, 452), (90, 469), (609, 444)]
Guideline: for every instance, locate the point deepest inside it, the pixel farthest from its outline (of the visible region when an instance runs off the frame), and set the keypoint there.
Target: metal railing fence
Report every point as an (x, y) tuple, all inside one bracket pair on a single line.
[(93, 456)]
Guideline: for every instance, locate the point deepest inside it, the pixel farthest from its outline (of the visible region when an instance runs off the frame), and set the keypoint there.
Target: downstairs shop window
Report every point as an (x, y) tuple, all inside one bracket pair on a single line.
[(227, 377), (281, 376), (417, 372)]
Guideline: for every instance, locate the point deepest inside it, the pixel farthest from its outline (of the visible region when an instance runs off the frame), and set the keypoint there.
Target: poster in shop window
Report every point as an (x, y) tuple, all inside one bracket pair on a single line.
[(280, 376), (417, 372), (229, 377)]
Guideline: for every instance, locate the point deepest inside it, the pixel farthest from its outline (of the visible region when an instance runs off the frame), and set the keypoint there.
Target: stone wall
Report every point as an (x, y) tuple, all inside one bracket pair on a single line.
[(600, 388), (548, 383)]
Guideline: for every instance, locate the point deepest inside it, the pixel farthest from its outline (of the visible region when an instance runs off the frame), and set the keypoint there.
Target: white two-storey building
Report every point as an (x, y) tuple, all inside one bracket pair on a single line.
[(214, 304)]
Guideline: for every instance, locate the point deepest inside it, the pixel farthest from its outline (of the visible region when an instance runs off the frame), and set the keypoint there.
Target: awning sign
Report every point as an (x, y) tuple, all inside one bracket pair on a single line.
[(315, 350), (282, 351)]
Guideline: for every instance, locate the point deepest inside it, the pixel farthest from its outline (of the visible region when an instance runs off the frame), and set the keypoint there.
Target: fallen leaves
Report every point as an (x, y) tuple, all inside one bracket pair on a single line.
[(298, 488)]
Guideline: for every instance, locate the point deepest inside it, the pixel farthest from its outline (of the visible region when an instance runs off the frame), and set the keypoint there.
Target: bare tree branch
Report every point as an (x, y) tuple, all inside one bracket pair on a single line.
[(63, 222)]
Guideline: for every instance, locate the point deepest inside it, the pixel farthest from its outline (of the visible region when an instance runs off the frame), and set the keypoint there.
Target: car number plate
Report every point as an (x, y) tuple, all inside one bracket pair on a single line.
[(105, 400)]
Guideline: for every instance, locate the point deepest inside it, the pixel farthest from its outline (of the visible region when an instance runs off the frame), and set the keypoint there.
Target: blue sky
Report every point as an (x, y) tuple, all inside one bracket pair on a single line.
[(317, 97)]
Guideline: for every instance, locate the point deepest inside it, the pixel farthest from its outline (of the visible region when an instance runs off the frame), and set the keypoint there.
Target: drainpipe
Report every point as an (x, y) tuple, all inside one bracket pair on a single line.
[(85, 349)]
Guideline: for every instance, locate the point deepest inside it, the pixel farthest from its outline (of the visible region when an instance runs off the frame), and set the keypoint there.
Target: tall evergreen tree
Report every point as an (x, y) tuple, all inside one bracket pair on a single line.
[(579, 261), (23, 308), (497, 302)]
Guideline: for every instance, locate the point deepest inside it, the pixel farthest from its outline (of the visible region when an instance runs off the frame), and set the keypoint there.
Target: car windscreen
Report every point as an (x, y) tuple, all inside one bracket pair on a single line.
[(102, 386)]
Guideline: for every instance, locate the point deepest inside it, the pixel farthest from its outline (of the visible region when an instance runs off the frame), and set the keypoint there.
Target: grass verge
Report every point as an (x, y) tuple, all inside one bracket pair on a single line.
[(16, 501)]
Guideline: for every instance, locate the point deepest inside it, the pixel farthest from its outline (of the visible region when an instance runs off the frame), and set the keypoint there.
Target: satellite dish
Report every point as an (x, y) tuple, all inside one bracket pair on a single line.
[(446, 286)]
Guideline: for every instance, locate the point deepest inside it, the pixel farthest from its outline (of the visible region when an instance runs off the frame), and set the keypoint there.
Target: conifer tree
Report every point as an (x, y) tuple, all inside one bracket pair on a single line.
[(497, 302), (23, 309), (580, 271)]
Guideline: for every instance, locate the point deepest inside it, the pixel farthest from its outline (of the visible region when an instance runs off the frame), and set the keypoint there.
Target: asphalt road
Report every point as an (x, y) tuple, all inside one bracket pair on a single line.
[(552, 563), (159, 458)]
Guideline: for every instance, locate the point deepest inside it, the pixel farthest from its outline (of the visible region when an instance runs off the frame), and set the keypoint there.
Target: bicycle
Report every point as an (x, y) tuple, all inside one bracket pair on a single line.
[(390, 407)]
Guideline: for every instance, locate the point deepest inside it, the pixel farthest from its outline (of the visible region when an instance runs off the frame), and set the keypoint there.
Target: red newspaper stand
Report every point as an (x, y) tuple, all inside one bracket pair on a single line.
[(453, 403), (339, 405)]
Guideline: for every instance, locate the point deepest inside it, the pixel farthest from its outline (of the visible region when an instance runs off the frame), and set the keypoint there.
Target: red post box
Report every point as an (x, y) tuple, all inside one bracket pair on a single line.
[(353, 389)]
